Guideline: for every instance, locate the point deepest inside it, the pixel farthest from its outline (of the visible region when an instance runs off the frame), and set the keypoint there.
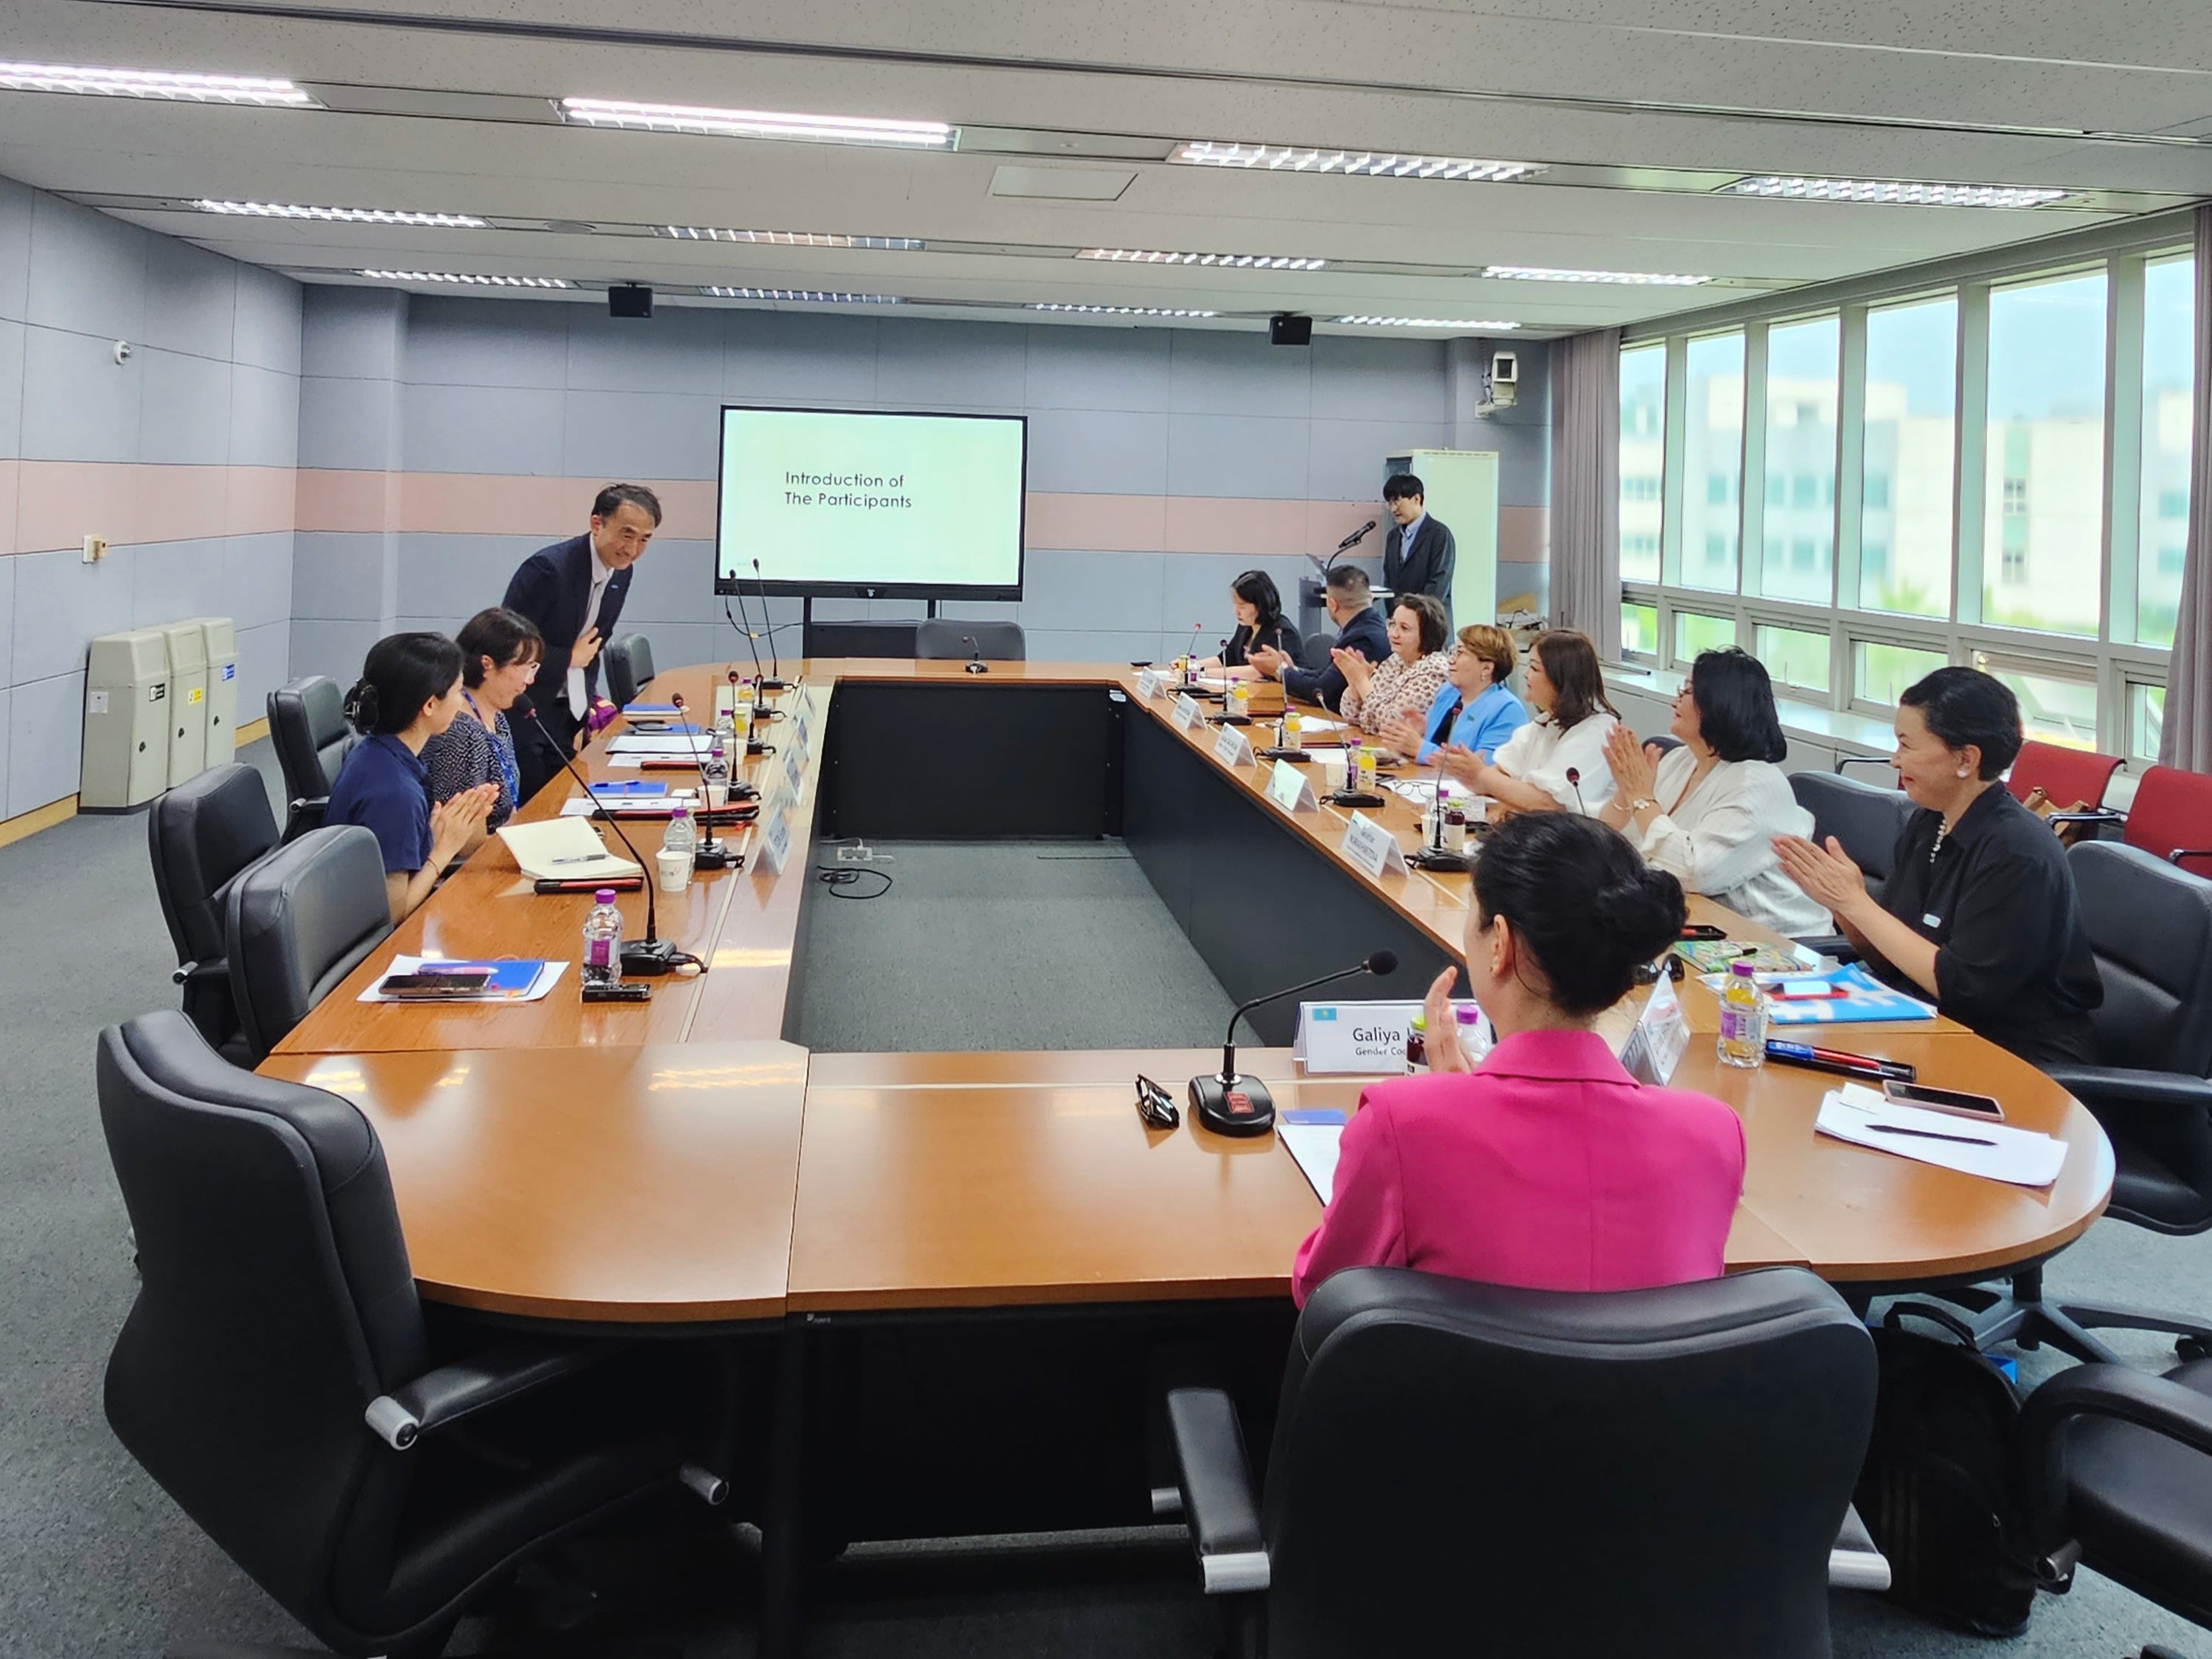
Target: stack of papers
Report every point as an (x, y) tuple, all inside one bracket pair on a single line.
[(564, 849), (1861, 998), (1312, 1138), (1861, 1116), (660, 742), (515, 980), (660, 805)]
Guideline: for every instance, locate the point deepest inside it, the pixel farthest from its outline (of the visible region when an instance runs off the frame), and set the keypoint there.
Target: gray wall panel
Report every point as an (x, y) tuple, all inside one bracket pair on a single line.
[(45, 738), (79, 405), (191, 299), (478, 428), (88, 271), (1099, 451), (15, 206), (184, 409)]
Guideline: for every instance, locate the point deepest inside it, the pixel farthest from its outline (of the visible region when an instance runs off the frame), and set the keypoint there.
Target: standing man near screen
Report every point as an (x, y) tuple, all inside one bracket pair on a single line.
[(1351, 600), (574, 591), (1418, 555)]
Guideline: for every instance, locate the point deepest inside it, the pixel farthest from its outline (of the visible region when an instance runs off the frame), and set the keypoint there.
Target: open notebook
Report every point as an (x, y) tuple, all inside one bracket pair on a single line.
[(563, 849)]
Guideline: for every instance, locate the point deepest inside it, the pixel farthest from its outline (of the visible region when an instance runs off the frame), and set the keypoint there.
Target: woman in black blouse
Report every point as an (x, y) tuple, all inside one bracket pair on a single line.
[(500, 655), (1981, 912), (1259, 610)]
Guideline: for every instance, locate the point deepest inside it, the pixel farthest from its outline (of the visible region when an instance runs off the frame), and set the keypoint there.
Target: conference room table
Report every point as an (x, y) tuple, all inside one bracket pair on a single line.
[(685, 1165)]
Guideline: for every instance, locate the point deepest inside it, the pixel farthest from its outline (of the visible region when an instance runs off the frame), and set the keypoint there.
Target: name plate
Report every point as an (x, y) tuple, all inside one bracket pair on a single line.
[(794, 771), (1232, 747), (725, 701), (1370, 846), (1660, 1037), (1150, 683), (1343, 1038), (775, 844), (1186, 712), (1288, 788), (802, 720)]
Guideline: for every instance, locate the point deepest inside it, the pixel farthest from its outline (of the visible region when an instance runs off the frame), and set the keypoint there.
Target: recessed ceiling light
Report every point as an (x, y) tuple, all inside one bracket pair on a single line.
[(755, 123), (1549, 274), (470, 279), (1125, 311), (155, 83), (1226, 261), (1884, 190), (1278, 158), (810, 295), (1491, 325), (786, 237), (340, 216)]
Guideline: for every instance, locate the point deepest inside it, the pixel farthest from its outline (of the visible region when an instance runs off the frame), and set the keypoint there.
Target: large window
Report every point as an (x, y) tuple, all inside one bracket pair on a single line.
[(1712, 463), (1905, 489), (1643, 460), (1798, 560), (2168, 386), (2044, 466)]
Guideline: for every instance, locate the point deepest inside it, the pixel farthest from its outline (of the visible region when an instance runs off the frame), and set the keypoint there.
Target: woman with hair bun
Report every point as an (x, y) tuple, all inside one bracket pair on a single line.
[(1546, 1166), (409, 691)]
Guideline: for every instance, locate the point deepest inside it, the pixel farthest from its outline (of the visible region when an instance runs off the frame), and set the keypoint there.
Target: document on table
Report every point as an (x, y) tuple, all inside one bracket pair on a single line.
[(1311, 1139), (2024, 1157), (563, 849), (508, 983), (633, 806), (642, 742)]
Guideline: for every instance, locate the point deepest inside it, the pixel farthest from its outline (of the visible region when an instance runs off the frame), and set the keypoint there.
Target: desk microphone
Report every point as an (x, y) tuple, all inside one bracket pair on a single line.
[(1356, 537), (774, 681), (1436, 856), (1190, 663), (975, 665), (745, 628), (1575, 783), (1233, 1105), (652, 956), (709, 854)]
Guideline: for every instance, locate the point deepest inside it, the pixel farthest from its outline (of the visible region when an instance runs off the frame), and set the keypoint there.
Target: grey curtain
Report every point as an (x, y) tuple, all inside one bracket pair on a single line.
[(2185, 739), (1585, 370)]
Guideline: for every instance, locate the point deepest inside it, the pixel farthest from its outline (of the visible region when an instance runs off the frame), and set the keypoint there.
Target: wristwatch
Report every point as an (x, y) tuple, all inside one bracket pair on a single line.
[(1639, 804)]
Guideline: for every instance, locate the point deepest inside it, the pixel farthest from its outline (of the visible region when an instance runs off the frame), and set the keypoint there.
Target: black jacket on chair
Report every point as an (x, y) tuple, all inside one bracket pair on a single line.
[(1424, 567), (551, 588)]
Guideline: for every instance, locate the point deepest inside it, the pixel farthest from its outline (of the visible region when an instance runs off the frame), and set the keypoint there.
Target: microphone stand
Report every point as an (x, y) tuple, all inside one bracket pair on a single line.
[(652, 956), (1231, 1104), (1436, 856), (775, 682), (975, 665)]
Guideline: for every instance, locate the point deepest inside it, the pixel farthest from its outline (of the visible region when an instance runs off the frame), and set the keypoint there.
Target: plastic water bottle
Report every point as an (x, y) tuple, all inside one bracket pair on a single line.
[(681, 836), (603, 940), (1474, 1035), (718, 773), (1743, 1018), (1417, 1044)]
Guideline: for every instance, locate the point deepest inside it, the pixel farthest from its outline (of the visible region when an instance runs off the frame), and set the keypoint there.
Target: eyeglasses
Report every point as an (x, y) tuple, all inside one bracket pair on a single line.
[(1155, 1105), (1649, 973)]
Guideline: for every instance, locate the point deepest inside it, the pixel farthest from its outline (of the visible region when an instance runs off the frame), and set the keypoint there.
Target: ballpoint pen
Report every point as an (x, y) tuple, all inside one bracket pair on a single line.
[(1928, 1134)]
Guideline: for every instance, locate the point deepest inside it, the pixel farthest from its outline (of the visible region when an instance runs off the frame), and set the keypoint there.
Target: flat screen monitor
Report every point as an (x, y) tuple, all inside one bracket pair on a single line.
[(864, 503)]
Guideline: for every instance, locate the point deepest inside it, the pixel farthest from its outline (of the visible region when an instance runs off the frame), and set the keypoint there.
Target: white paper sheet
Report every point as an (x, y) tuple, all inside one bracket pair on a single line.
[(563, 849), (547, 976), (1315, 1146), (645, 743), (634, 806), (1995, 1151)]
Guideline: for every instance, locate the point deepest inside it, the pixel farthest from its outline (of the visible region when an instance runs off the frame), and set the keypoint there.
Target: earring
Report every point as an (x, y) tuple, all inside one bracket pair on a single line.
[(1962, 771)]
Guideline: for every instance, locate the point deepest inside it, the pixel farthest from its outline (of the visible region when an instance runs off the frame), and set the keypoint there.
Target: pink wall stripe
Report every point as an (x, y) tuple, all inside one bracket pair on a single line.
[(49, 505)]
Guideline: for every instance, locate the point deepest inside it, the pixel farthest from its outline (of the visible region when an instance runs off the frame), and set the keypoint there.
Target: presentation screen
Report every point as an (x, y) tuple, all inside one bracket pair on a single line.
[(868, 504)]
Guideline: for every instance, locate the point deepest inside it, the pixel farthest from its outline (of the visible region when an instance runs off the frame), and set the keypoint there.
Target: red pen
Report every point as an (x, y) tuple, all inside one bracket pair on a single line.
[(1839, 1060)]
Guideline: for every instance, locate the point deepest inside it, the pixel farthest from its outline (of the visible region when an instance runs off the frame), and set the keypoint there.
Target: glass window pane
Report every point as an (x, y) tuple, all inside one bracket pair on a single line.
[(1643, 460), (2043, 499), (1879, 672), (1639, 630), (1904, 497), (1694, 633), (1800, 445), (1712, 459), (2169, 332), (2056, 709), (2146, 720), (1795, 657)]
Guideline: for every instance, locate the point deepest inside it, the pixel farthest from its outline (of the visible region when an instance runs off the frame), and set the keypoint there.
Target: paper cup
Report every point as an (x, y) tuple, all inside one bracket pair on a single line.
[(674, 869), (718, 794), (1333, 769)]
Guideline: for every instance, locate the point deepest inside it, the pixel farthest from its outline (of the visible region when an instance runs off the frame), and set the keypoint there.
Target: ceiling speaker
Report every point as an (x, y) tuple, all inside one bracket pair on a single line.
[(629, 300), (1288, 328)]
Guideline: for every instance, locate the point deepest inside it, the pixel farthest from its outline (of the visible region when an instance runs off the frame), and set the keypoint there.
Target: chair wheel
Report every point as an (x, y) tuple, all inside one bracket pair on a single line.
[(2193, 1348)]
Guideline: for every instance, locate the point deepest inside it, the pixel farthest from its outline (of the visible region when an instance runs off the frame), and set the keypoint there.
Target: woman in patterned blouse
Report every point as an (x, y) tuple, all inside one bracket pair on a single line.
[(500, 655), (1406, 682)]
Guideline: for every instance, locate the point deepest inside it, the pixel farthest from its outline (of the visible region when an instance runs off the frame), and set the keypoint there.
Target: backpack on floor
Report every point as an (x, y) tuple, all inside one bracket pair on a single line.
[(1939, 1489)]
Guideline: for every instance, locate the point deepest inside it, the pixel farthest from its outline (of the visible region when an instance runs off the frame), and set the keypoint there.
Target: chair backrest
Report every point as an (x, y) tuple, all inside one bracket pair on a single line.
[(201, 835), (1867, 818), (944, 638), (2150, 926), (629, 665), (2065, 775), (307, 725), (1610, 1468), (275, 1302), (297, 923), (2173, 810)]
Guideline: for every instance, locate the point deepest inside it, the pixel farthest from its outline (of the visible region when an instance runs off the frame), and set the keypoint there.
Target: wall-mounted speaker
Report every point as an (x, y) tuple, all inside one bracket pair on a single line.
[(1288, 328), (629, 300)]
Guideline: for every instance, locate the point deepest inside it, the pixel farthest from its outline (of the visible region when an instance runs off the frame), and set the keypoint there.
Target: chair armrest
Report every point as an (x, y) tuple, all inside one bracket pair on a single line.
[(1842, 761), (1217, 1490), (186, 972), (441, 1398), (303, 813), (2180, 853), (2120, 1392), (2087, 815), (2121, 1085)]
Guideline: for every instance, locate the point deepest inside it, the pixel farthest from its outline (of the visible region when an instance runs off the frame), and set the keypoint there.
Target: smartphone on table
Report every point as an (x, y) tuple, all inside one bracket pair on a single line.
[(1959, 1101)]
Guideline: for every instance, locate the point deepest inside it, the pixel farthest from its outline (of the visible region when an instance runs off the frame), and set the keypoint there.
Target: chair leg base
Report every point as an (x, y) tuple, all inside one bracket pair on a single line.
[(2022, 1316)]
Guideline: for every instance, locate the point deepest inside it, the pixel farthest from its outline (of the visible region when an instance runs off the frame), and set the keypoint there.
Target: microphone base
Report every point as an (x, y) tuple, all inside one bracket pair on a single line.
[(977, 667), (1296, 756), (710, 855), (1242, 1106), (772, 683), (1440, 859), (643, 961)]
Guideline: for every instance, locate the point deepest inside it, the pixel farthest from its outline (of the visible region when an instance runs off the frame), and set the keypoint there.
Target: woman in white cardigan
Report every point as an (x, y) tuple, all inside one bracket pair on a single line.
[(1709, 812)]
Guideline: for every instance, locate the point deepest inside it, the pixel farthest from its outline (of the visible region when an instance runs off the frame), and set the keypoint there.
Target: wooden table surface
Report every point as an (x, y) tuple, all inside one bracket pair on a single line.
[(675, 1163)]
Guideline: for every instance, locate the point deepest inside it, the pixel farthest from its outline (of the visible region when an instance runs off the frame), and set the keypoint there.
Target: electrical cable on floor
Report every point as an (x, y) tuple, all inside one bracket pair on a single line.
[(837, 880)]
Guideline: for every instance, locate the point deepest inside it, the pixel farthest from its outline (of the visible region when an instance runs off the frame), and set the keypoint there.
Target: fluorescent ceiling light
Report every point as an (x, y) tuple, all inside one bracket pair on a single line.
[(1226, 261), (786, 237), (1883, 190), (469, 278), (1125, 311), (1549, 274), (341, 216), (155, 83), (1491, 326), (1278, 158), (810, 295), (755, 123)]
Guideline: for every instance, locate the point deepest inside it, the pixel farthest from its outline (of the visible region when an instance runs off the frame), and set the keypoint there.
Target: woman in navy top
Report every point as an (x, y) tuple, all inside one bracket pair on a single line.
[(1475, 708), (500, 655), (1259, 609), (409, 691)]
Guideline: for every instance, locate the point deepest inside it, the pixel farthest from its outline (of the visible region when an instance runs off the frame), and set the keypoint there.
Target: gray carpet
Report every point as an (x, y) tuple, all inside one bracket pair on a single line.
[(95, 1563)]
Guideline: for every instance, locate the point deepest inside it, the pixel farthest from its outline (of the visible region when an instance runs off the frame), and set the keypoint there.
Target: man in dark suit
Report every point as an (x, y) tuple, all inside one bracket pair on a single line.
[(1351, 600), (1418, 554), (574, 591)]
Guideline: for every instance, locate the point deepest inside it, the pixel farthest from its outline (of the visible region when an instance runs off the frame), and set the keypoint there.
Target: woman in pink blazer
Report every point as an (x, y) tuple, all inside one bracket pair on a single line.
[(1545, 1166)]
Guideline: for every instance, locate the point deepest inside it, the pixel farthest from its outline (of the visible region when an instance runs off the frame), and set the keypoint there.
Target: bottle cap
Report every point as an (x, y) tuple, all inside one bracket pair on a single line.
[(1467, 1015), (604, 896), (680, 811), (1740, 966), (1420, 1022)]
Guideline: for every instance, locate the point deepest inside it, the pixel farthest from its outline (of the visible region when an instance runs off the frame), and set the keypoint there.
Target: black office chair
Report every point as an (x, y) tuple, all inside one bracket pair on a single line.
[(629, 662), (275, 1375), (944, 639), (1654, 1472), (1865, 817), (297, 923), (307, 725), (202, 834)]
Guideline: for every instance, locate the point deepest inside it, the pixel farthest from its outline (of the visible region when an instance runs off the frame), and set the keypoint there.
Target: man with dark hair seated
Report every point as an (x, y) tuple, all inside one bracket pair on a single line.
[(1349, 597)]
